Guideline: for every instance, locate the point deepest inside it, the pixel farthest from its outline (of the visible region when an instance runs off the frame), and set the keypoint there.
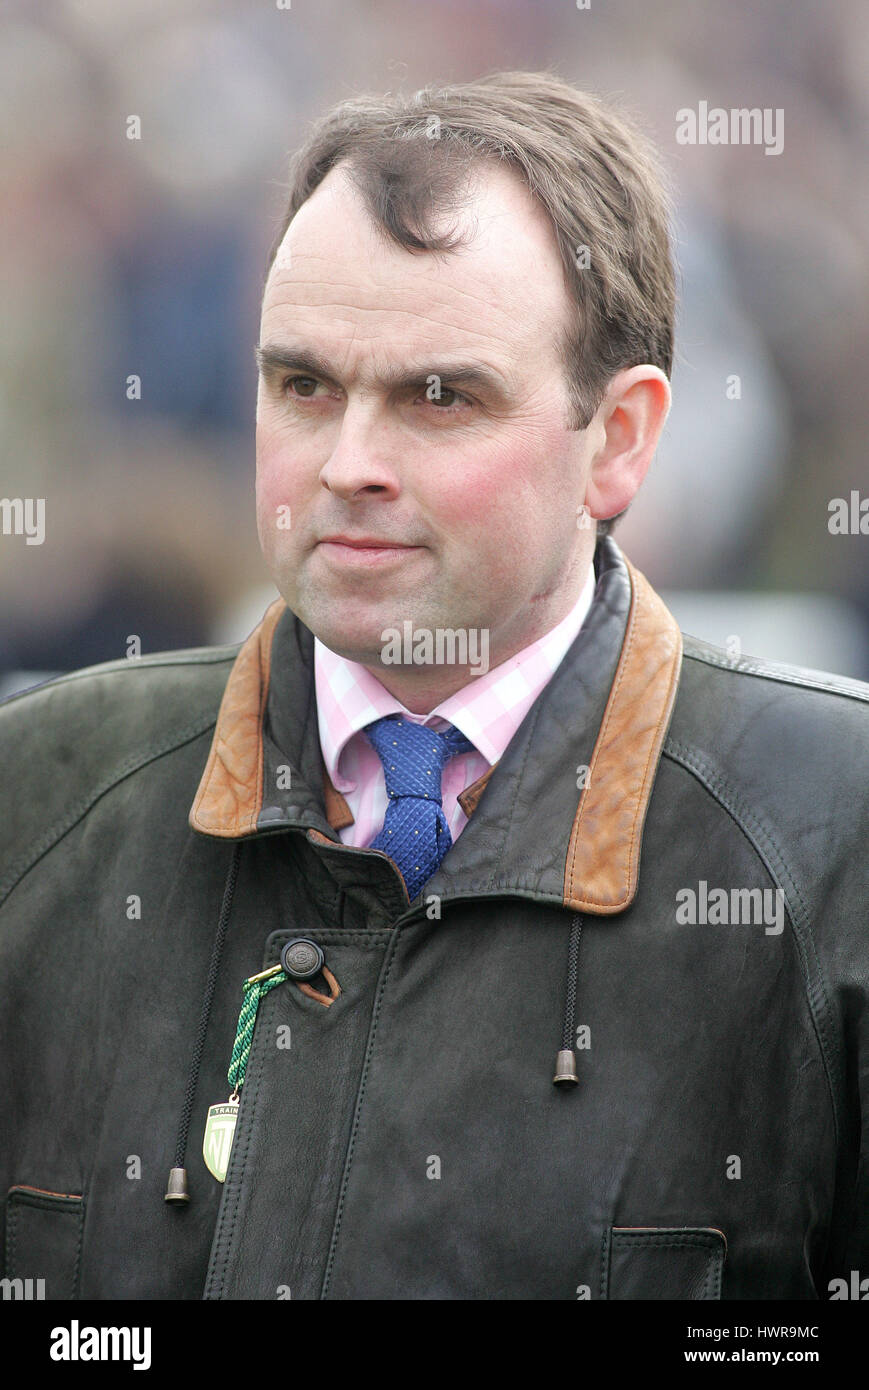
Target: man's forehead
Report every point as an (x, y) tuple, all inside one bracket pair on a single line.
[(507, 271)]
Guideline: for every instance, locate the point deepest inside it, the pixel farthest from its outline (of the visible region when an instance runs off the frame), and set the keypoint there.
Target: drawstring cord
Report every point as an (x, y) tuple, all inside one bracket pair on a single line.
[(565, 1063), (176, 1190)]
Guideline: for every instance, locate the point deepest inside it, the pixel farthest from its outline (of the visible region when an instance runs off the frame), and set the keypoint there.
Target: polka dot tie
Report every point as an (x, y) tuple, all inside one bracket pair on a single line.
[(415, 832)]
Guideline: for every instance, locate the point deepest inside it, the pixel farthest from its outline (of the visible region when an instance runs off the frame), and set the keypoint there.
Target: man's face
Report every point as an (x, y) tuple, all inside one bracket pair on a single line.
[(469, 500)]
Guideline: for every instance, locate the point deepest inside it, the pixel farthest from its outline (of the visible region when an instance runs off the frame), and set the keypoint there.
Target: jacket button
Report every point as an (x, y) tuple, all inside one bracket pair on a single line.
[(302, 958)]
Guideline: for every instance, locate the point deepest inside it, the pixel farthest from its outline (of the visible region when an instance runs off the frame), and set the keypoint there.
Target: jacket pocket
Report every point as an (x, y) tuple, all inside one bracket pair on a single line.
[(43, 1243), (673, 1262)]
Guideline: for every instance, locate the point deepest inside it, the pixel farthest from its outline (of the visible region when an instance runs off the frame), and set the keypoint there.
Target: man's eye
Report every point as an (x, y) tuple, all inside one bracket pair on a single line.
[(303, 386), (447, 399)]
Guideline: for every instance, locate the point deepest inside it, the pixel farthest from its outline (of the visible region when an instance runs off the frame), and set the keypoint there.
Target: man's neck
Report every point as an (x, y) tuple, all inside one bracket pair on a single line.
[(422, 687)]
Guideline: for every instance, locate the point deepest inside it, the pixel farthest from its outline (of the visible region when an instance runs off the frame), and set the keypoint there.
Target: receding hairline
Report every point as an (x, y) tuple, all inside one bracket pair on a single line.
[(482, 169)]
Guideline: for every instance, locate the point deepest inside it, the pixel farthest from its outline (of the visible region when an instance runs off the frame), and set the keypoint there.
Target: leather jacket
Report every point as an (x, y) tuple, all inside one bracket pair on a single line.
[(168, 827)]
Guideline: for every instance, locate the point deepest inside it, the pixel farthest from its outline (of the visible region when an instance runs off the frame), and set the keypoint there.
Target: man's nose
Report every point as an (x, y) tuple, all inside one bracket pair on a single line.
[(359, 460)]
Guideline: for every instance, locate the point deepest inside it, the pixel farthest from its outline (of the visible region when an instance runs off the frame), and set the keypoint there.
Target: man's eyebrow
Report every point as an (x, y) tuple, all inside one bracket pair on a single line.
[(273, 358)]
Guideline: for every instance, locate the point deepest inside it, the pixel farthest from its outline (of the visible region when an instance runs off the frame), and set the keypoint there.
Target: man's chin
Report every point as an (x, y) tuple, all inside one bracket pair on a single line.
[(342, 644), (356, 640)]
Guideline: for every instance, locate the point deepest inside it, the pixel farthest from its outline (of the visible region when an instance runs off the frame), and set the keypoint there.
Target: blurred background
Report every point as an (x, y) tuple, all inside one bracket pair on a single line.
[(146, 256)]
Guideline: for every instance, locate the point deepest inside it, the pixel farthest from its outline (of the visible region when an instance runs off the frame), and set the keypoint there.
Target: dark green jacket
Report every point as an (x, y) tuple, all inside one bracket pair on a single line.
[(399, 1134)]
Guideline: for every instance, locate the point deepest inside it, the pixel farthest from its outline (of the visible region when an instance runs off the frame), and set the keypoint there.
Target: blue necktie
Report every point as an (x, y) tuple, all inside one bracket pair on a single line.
[(415, 832)]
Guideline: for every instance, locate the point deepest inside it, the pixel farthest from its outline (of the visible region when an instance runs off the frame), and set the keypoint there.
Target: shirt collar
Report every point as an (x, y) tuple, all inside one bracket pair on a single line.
[(488, 710)]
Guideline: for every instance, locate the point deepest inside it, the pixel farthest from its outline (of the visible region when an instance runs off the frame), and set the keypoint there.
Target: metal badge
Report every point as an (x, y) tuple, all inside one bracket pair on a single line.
[(217, 1141)]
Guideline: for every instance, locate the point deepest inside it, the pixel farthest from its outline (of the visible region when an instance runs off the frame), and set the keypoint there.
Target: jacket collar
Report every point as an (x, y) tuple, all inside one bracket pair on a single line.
[(566, 804)]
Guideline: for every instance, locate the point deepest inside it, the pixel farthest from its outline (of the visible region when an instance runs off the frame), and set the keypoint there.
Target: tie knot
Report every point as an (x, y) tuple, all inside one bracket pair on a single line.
[(414, 756)]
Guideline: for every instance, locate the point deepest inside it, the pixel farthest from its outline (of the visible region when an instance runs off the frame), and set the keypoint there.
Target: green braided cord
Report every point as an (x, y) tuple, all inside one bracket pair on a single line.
[(253, 993)]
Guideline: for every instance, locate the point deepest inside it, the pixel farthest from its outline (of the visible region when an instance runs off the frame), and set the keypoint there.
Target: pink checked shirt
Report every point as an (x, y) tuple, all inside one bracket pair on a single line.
[(488, 710)]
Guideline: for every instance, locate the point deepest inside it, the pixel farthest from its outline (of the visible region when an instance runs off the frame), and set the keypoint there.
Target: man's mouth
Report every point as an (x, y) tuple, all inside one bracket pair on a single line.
[(364, 550)]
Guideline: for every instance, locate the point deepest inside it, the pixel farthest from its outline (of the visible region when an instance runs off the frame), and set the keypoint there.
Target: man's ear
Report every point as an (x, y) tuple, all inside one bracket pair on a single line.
[(628, 422)]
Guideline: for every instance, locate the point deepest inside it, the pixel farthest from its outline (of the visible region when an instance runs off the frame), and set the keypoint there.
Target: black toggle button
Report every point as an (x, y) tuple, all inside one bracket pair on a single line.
[(302, 958)]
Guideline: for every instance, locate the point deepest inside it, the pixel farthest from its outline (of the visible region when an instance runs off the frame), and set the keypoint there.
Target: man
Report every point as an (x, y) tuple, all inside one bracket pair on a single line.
[(293, 933)]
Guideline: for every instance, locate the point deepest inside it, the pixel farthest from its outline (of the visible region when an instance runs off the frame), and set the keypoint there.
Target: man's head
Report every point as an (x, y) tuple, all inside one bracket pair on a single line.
[(513, 228)]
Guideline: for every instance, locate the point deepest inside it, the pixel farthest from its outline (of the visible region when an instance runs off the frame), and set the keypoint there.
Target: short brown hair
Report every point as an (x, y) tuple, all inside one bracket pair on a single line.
[(597, 176)]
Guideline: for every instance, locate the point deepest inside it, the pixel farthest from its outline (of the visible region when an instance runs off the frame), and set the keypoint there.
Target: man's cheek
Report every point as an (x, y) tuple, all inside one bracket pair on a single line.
[(264, 505), (275, 515), (281, 458), (492, 514), (475, 497), (277, 493)]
